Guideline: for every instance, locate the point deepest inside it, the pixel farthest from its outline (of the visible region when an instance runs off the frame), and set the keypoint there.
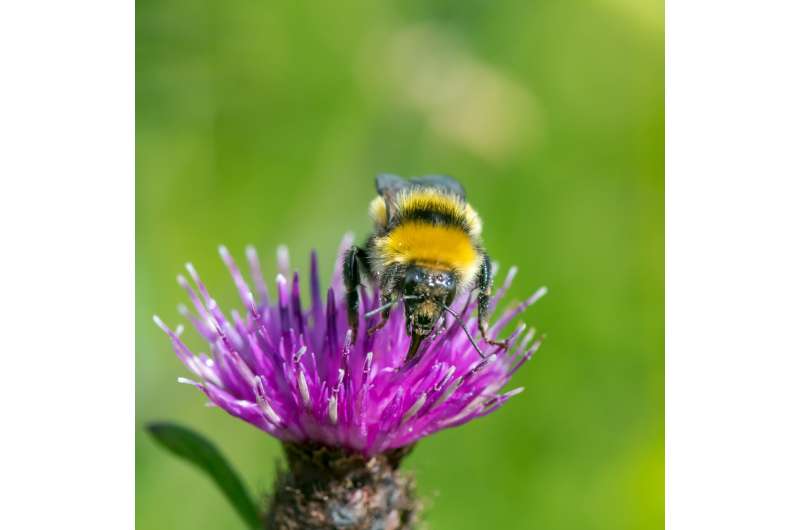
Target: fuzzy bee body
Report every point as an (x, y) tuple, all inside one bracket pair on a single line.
[(425, 249)]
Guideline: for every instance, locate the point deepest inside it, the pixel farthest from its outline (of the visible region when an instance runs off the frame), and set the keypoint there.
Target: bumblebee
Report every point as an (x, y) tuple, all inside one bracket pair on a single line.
[(425, 249)]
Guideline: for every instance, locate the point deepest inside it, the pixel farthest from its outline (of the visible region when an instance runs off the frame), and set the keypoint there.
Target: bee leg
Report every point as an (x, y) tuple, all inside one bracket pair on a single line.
[(484, 290), (416, 340), (387, 286), (352, 280), (384, 315)]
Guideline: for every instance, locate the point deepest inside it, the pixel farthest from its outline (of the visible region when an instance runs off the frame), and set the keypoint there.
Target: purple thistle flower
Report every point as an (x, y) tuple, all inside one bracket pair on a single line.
[(298, 374)]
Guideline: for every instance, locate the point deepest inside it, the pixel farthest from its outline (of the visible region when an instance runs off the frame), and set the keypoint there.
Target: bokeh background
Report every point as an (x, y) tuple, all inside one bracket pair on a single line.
[(265, 122)]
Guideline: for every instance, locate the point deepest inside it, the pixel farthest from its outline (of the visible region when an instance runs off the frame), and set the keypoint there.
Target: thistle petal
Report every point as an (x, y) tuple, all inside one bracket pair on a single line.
[(300, 375)]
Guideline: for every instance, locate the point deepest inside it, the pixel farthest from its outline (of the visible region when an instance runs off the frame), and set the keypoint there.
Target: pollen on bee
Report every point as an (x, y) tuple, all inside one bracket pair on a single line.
[(377, 211)]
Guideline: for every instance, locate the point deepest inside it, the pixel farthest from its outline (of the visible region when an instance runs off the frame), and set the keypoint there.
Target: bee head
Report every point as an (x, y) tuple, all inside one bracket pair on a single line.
[(427, 291)]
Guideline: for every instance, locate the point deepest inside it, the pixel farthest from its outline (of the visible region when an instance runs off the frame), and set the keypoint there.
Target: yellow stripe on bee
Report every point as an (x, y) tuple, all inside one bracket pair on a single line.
[(437, 247), (428, 199), (473, 221), (434, 200)]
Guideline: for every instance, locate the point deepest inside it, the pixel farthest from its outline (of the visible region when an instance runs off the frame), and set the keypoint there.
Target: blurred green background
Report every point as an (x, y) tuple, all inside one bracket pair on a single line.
[(265, 123)]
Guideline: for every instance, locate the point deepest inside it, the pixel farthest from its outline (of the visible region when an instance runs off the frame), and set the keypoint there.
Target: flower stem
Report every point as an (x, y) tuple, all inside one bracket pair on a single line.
[(328, 488)]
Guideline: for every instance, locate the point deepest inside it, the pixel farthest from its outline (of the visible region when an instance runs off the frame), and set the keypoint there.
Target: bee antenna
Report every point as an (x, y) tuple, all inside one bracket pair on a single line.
[(379, 309), (464, 327), (387, 305)]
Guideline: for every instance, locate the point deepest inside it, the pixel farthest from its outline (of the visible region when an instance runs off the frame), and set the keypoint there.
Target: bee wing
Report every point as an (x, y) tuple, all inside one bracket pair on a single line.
[(388, 185), (442, 182)]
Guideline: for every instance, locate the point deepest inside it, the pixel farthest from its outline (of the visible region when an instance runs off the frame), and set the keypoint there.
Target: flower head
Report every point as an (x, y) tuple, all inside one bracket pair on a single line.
[(299, 374)]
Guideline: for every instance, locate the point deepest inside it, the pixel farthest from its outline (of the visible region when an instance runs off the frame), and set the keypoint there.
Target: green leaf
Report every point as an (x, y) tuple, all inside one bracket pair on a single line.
[(198, 450)]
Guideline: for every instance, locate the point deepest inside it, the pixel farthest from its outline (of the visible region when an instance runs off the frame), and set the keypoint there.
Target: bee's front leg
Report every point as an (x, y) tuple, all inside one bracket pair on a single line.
[(484, 290), (389, 279), (385, 301)]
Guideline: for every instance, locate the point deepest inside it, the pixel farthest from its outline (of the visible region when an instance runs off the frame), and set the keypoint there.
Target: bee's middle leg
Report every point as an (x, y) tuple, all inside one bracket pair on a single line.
[(354, 260)]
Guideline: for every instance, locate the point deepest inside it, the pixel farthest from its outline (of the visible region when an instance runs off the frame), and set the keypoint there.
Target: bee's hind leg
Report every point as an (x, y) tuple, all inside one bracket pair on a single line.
[(484, 290)]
